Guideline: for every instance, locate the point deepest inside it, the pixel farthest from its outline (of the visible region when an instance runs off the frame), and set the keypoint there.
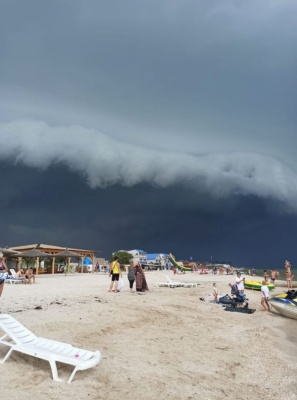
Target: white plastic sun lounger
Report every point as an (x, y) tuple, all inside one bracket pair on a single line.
[(12, 279), (169, 283), (20, 339), (182, 284)]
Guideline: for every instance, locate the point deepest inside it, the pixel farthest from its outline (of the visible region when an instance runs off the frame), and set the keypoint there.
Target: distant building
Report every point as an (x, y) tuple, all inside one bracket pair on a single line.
[(152, 258), (159, 259), (138, 256)]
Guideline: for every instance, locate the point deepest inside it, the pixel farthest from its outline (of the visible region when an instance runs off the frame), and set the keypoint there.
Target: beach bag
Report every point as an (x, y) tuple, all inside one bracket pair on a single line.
[(121, 284)]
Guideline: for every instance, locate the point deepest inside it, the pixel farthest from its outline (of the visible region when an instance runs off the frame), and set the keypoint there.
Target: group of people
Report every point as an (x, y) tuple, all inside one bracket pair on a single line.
[(25, 276), (264, 289), (135, 274)]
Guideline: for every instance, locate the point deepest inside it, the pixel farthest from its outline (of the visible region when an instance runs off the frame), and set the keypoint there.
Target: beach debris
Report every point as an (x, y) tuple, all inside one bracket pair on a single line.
[(38, 308), (241, 310), (222, 347)]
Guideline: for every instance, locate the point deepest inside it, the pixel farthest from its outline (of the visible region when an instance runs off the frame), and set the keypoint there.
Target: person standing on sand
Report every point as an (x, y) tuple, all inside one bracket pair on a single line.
[(131, 276), (215, 292), (3, 273), (265, 296), (289, 276), (287, 266), (265, 275), (240, 283), (272, 276), (141, 285), (115, 273)]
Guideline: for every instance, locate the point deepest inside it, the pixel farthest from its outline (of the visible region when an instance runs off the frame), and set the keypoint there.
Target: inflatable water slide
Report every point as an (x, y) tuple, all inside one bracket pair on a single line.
[(178, 265)]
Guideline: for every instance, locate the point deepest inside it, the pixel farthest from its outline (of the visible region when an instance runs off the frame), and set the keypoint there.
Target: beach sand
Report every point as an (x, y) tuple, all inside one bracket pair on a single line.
[(166, 344)]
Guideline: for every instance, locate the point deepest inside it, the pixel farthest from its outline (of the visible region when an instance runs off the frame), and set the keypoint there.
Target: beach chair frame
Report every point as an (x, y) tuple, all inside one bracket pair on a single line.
[(20, 339)]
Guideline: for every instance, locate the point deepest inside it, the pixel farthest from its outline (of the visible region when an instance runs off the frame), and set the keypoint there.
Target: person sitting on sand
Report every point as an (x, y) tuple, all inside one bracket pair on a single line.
[(141, 285), (265, 296), (30, 276)]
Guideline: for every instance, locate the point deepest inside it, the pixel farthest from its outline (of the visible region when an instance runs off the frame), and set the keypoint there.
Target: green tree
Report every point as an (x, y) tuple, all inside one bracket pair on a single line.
[(124, 257)]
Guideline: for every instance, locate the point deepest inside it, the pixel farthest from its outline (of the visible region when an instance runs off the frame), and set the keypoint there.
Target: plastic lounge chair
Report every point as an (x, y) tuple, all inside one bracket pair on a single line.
[(182, 284), (12, 278), (169, 283), (20, 339)]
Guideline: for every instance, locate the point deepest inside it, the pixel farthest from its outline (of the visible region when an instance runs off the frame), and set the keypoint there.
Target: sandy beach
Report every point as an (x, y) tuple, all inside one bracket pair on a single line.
[(166, 344)]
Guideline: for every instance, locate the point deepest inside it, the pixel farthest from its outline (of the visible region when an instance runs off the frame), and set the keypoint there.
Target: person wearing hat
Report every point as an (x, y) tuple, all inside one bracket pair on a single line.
[(3, 273)]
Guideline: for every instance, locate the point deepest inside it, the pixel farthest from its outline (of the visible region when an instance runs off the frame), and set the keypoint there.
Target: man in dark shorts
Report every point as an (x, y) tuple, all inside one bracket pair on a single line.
[(273, 276), (115, 273)]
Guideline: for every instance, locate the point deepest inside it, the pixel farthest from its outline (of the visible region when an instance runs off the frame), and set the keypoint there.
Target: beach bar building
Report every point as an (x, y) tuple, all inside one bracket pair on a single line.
[(39, 252)]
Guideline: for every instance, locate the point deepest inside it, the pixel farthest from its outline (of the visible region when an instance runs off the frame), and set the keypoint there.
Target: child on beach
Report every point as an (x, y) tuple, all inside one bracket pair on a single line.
[(265, 296), (215, 292)]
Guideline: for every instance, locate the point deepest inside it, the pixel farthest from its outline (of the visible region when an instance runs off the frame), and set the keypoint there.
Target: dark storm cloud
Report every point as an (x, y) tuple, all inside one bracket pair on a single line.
[(55, 206), (172, 96)]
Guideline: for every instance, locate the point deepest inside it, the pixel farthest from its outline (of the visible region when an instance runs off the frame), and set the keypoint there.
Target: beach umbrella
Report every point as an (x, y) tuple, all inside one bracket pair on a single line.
[(8, 252), (67, 254), (34, 254)]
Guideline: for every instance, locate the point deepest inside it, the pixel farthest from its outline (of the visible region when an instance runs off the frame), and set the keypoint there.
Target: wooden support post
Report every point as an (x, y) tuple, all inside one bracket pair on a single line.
[(19, 263), (53, 265), (37, 265)]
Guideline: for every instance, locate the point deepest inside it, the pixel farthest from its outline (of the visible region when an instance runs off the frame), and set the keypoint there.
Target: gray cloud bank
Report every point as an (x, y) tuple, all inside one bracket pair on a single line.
[(196, 93), (104, 161)]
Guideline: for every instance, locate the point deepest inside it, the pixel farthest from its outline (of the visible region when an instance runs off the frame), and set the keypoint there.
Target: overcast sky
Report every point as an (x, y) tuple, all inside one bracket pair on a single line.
[(164, 125)]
